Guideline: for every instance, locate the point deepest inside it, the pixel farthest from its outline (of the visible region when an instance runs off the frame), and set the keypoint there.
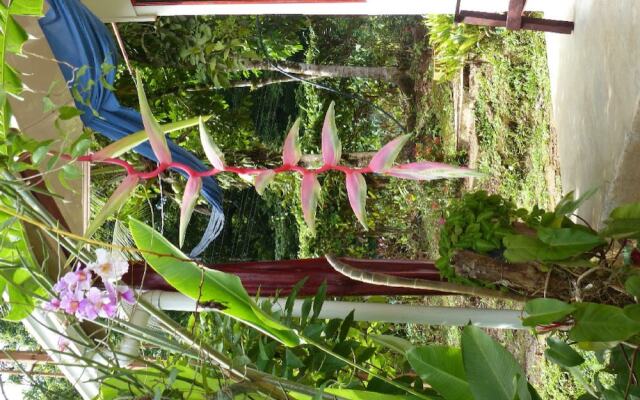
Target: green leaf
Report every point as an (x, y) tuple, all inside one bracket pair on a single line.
[(632, 286), (80, 148), (562, 354), (117, 199), (26, 7), (602, 323), (394, 343), (204, 284), (67, 112), (39, 153), (11, 81), (442, 368), (545, 311), (568, 205), (627, 211), (570, 240), (622, 228), (350, 394), (491, 370), (522, 248), (15, 36)]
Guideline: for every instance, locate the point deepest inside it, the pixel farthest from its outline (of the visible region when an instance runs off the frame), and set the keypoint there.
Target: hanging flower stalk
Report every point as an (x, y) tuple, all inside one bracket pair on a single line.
[(383, 163)]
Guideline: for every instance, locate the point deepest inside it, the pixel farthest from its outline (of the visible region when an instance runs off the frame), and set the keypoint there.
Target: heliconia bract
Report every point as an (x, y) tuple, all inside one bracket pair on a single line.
[(132, 140), (263, 180), (426, 171), (310, 194), (357, 192), (117, 199), (189, 200), (215, 156), (386, 156), (156, 135), (291, 152), (331, 146)]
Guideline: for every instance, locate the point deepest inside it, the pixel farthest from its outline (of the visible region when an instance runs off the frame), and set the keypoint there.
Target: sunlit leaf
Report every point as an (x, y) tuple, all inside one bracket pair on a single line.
[(189, 200), (117, 199), (263, 180), (357, 192), (291, 152), (331, 146), (128, 142), (386, 156), (204, 284), (309, 194), (442, 368), (427, 171), (215, 156), (156, 135)]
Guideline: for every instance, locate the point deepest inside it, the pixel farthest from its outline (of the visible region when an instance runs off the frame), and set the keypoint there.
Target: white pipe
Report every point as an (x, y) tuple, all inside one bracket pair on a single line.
[(130, 346), (394, 313), (43, 327)]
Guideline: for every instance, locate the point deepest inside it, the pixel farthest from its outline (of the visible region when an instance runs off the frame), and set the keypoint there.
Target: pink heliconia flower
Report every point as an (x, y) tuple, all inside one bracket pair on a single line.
[(63, 343), (331, 146), (426, 171), (357, 192), (117, 199), (211, 150), (189, 200), (263, 179), (157, 138), (386, 156), (310, 194), (291, 152)]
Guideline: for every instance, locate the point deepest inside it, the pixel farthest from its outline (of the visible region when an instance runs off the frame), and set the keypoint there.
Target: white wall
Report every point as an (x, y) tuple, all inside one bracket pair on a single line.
[(121, 10)]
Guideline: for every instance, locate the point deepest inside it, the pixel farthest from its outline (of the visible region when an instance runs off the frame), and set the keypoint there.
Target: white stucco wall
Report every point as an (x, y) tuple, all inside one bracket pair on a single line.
[(122, 10)]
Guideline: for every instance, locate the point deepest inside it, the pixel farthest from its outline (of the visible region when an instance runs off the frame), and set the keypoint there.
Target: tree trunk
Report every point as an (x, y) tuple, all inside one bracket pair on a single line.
[(388, 74), (271, 277)]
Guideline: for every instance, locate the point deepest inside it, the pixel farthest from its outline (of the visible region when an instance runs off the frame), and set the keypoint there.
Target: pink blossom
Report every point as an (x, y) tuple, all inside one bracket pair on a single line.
[(70, 302), (63, 343), (97, 303), (53, 305)]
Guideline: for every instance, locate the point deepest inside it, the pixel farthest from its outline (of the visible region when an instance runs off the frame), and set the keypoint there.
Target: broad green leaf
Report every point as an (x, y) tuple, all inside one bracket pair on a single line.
[(357, 193), (309, 195), (632, 311), (545, 311), (569, 204), (205, 285), (522, 248), (386, 156), (627, 211), (602, 323), (26, 7), (562, 354), (213, 152), (632, 286), (395, 343), (350, 394), (442, 368), (572, 240), (491, 370), (11, 81), (291, 152), (15, 36), (189, 200), (331, 146), (117, 199), (128, 142), (622, 228), (187, 381), (157, 137)]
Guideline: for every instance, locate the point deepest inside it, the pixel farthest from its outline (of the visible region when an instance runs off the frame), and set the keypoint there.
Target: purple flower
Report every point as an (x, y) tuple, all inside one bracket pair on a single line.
[(53, 305), (74, 281), (70, 302), (63, 342), (97, 303)]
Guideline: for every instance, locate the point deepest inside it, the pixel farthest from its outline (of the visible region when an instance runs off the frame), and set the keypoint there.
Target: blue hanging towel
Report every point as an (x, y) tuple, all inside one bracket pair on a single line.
[(79, 38)]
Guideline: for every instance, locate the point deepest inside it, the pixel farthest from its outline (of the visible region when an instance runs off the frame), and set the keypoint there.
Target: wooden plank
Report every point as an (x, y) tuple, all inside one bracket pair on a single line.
[(514, 15)]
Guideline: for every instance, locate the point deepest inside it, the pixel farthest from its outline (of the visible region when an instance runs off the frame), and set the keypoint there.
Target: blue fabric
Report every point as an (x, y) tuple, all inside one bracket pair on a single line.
[(79, 38)]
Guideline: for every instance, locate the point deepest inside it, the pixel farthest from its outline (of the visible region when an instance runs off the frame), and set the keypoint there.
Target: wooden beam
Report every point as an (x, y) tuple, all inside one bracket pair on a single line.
[(514, 15)]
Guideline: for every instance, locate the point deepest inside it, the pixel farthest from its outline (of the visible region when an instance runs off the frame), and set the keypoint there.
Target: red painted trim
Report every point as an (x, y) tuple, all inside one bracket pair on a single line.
[(139, 3)]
